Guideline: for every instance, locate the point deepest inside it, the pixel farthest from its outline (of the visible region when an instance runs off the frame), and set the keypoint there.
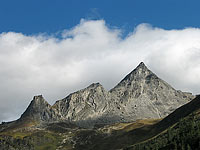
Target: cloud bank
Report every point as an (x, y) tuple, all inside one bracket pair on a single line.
[(91, 52)]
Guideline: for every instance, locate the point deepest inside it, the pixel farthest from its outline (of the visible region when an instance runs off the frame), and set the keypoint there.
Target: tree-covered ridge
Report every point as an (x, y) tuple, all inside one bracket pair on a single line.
[(184, 135)]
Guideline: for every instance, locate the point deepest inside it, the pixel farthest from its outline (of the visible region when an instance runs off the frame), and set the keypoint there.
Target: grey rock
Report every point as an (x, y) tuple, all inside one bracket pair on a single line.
[(85, 106), (140, 95), (40, 110)]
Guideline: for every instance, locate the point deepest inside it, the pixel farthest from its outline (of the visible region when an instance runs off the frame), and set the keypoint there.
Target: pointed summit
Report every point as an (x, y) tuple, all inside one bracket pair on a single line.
[(145, 94), (95, 85), (139, 73), (39, 110), (38, 100), (142, 65)]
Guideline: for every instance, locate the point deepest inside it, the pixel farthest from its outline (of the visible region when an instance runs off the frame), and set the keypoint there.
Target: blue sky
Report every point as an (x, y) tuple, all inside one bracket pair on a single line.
[(50, 16), (94, 46)]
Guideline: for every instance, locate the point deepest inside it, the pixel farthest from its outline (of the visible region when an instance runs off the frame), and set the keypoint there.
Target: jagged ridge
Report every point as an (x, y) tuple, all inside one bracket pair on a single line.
[(141, 94)]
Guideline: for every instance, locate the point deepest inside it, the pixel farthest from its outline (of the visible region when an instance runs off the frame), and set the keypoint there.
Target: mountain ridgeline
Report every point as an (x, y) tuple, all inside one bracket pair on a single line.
[(140, 95)]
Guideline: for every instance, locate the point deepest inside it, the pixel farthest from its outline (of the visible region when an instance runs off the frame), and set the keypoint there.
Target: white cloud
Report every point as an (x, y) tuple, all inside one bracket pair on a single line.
[(91, 52)]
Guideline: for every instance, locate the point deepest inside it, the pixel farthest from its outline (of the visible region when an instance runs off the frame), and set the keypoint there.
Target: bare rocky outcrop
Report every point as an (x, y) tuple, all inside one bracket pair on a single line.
[(85, 106), (140, 95), (40, 110)]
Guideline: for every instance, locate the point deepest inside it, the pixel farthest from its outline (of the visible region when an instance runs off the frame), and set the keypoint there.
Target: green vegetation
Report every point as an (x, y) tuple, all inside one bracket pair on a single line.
[(37, 140), (46, 141), (184, 135), (119, 135), (17, 135)]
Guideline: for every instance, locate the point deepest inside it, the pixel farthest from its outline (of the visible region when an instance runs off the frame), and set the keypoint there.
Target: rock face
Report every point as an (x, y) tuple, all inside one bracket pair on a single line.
[(40, 110), (140, 95), (86, 106)]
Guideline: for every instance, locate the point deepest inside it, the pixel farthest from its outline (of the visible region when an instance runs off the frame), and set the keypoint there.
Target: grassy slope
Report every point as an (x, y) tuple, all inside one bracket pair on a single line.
[(180, 130), (22, 135), (115, 136), (40, 140), (54, 134), (183, 135)]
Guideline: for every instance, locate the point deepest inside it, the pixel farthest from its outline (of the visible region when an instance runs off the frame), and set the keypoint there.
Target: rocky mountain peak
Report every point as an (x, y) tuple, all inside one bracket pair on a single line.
[(142, 66), (38, 97), (40, 110), (141, 70), (94, 86), (139, 74), (38, 101), (84, 105), (140, 95), (143, 89)]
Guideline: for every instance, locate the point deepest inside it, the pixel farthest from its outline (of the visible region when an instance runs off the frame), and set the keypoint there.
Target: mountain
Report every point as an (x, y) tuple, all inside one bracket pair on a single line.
[(128, 116), (140, 95), (40, 110), (85, 107)]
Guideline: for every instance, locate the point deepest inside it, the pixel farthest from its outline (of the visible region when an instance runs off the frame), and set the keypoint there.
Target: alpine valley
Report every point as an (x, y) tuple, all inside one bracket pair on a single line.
[(142, 112)]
